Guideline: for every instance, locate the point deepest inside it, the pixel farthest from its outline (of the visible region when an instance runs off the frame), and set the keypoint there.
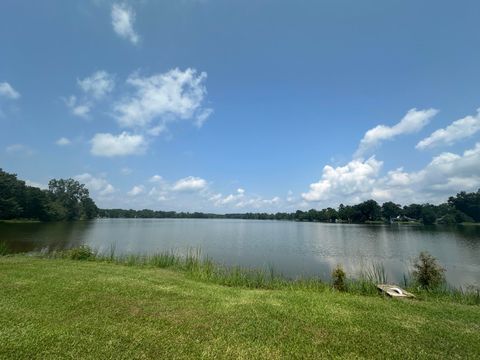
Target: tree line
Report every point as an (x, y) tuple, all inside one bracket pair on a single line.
[(464, 207), (67, 199)]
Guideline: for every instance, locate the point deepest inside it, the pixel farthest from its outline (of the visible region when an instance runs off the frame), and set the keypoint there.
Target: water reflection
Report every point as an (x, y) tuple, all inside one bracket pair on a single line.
[(292, 248)]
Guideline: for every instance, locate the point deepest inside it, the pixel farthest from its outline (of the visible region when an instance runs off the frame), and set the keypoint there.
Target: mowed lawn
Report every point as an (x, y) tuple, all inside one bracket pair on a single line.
[(78, 309)]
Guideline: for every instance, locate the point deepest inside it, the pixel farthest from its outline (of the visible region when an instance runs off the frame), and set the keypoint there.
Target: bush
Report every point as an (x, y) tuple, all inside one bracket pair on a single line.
[(339, 277), (3, 248), (428, 273), (83, 252)]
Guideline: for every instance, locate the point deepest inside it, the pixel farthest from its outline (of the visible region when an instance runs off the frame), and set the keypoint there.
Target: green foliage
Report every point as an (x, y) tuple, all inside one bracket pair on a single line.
[(55, 309), (427, 271), (64, 200), (428, 215), (467, 203), (339, 278), (390, 210), (3, 248), (83, 252)]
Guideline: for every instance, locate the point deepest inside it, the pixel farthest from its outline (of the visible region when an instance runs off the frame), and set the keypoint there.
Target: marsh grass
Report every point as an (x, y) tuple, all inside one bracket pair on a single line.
[(3, 248), (199, 267)]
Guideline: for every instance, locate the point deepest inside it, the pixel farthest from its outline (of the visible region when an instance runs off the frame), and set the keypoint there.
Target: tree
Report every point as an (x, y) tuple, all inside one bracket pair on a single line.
[(390, 210), (12, 196), (428, 215), (413, 211), (70, 195), (366, 211), (467, 203)]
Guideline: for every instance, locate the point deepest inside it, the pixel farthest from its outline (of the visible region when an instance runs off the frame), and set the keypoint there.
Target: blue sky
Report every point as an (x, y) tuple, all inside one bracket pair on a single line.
[(233, 106)]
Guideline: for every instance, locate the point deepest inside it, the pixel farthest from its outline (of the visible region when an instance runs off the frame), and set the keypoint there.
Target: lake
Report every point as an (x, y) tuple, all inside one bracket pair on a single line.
[(295, 249)]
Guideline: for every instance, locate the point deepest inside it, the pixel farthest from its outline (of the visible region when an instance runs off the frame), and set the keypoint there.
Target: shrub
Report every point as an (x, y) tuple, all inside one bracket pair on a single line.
[(339, 277), (83, 252), (3, 248), (428, 273)]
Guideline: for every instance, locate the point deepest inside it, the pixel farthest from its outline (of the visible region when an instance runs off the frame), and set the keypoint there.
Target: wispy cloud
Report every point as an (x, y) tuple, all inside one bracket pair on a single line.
[(19, 149), (63, 141), (7, 91), (123, 18), (99, 84), (412, 122), (457, 130)]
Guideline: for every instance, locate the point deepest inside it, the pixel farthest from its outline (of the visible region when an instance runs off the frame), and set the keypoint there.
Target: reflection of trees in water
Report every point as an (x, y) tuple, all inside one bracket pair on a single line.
[(24, 237)]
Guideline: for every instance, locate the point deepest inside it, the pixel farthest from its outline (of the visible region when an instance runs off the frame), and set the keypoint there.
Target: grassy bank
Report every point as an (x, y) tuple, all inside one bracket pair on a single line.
[(57, 308)]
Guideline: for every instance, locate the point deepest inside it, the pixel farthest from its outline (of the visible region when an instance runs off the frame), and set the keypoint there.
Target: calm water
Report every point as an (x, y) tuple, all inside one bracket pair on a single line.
[(292, 248)]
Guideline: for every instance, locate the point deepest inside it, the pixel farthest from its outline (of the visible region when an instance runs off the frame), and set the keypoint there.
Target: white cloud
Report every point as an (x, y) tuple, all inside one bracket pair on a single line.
[(190, 183), (63, 141), (109, 189), (412, 122), (220, 200), (81, 110), (19, 149), (36, 184), (136, 190), (203, 116), (446, 174), (355, 178), (459, 129), (98, 84), (163, 98), (155, 179), (123, 18), (99, 185), (105, 144), (160, 193), (239, 199), (6, 90)]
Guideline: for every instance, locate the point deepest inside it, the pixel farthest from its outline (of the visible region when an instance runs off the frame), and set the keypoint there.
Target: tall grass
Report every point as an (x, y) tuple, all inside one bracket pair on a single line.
[(203, 268), (3, 248)]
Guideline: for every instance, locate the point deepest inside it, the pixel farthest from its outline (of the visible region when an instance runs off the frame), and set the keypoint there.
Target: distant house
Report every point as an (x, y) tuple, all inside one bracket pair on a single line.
[(403, 218)]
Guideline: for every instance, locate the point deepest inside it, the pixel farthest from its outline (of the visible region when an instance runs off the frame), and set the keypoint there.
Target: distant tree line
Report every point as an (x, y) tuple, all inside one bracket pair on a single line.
[(70, 200), (464, 207), (64, 200)]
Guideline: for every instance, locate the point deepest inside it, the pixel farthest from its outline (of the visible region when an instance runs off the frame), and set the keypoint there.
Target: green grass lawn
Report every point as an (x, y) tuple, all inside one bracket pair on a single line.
[(53, 308)]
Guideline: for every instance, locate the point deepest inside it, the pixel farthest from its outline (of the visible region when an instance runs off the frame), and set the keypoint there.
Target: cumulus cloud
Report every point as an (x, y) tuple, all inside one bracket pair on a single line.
[(412, 122), (63, 141), (108, 145), (355, 178), (136, 190), (7, 91), (163, 98), (190, 183), (99, 185), (98, 84), (123, 18), (447, 173), (459, 129)]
